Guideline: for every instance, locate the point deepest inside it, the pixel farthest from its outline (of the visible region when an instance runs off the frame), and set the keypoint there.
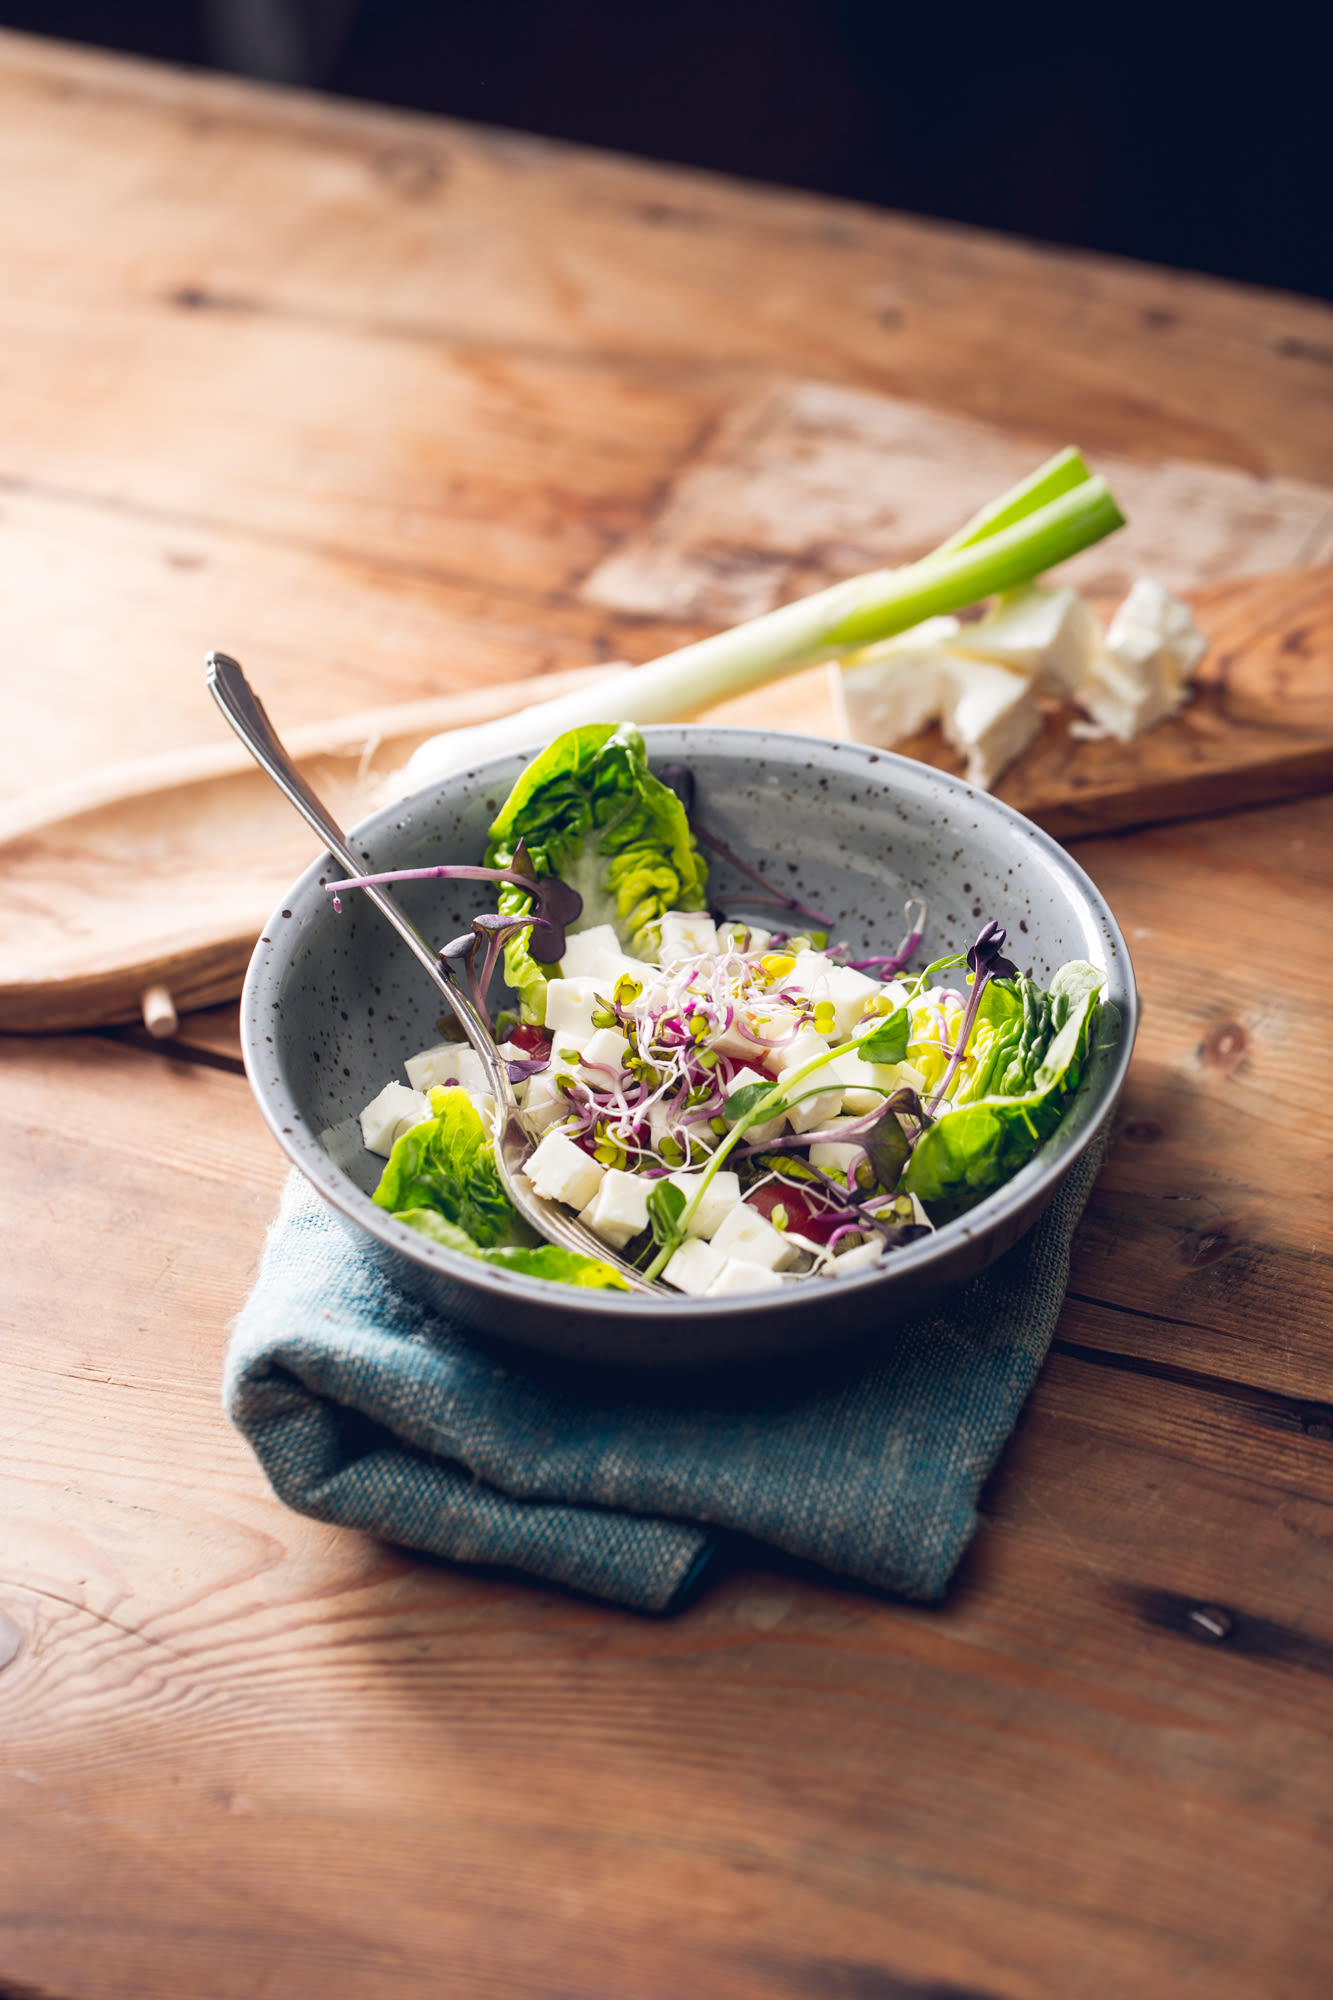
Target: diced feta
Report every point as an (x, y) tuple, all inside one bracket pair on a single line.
[(756, 1029), (607, 1048), (693, 1267), (570, 1006), (1051, 634), (562, 1171), (991, 716), (588, 952), (850, 992), (746, 1234), (859, 1258), (738, 1276), (448, 1062), (895, 688), (1149, 607), (866, 1084), (619, 1209), (809, 1111), (836, 1155), (719, 1198), (395, 1111), (686, 934), (757, 1135), (810, 966), (1143, 673), (544, 1103), (597, 954), (743, 937)]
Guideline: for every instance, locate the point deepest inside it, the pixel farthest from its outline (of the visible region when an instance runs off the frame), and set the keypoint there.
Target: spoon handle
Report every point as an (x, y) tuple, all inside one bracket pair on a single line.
[(248, 717)]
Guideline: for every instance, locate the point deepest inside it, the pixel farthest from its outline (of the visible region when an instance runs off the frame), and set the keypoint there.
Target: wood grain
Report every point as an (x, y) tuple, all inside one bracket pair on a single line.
[(367, 399), (166, 871)]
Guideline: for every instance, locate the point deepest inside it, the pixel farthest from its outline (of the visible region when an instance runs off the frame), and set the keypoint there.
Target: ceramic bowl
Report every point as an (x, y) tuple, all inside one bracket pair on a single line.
[(333, 1004)]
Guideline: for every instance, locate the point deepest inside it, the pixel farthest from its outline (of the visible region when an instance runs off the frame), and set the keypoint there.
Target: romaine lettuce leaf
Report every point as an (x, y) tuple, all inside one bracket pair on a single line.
[(543, 1260), (980, 1144), (592, 813), (441, 1180)]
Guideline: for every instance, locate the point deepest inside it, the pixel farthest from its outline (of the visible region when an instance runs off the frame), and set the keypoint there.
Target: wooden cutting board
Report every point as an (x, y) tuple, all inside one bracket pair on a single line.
[(164, 872)]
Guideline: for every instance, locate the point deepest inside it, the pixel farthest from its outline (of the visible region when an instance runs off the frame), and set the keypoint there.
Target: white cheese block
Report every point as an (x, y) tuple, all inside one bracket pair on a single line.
[(686, 934), (746, 1234), (1143, 673), (570, 1006), (544, 1104), (756, 1135), (448, 1062), (736, 1276), (866, 1085), (837, 1156), (861, 1257), (1050, 634), (395, 1111), (562, 1171), (991, 716), (719, 1198), (619, 1209), (597, 954), (606, 1048), (897, 687), (743, 937), (693, 1267)]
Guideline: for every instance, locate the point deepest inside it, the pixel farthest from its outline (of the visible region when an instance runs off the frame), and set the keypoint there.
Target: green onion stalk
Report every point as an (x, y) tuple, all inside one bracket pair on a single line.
[(1052, 515)]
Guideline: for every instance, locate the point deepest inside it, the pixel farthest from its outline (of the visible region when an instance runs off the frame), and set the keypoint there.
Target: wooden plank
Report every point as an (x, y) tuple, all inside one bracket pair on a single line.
[(241, 1742), (164, 872)]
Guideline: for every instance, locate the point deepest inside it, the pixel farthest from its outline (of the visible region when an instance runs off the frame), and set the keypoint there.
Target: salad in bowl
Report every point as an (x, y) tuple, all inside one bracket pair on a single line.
[(718, 1079)]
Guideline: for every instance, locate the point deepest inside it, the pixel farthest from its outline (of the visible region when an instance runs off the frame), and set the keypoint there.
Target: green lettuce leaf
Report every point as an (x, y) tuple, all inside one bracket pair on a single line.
[(979, 1145), (446, 1164), (441, 1180), (592, 813), (543, 1260)]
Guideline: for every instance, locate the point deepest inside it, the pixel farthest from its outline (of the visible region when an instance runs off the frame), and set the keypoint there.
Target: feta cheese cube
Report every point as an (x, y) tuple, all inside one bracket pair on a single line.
[(895, 688), (570, 1006), (866, 1084), (719, 1198), (836, 1156), (743, 937), (1050, 634), (544, 1103), (748, 1235), (606, 1048), (850, 993), (693, 1267), (809, 1111), (447, 1062), (861, 1257), (757, 1135), (562, 1171), (1142, 674), (737, 1276), (991, 716), (588, 953), (619, 1209), (395, 1111), (686, 934)]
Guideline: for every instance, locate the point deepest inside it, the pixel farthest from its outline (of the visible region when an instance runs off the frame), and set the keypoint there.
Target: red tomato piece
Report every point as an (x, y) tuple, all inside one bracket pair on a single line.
[(532, 1041), (803, 1215)]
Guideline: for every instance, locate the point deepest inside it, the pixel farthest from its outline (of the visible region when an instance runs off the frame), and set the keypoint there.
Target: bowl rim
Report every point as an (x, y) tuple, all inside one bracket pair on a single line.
[(279, 941)]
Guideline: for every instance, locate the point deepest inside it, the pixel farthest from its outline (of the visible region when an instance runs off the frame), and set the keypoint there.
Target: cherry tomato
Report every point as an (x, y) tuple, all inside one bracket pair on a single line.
[(532, 1041), (803, 1215)]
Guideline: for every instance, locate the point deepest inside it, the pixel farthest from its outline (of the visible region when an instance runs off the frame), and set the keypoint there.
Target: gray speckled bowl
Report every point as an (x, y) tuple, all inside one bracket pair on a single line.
[(333, 1004)]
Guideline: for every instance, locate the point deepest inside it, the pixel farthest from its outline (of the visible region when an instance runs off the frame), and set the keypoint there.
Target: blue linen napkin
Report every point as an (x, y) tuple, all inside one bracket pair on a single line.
[(366, 1409)]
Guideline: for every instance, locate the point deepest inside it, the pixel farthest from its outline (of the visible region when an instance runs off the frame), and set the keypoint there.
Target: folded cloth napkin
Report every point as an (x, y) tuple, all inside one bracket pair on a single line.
[(368, 1410)]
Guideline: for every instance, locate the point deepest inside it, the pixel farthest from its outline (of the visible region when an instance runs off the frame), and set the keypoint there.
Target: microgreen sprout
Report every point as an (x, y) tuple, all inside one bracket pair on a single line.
[(984, 962)]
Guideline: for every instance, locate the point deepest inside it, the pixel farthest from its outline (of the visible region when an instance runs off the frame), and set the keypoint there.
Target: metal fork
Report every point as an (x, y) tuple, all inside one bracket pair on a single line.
[(247, 716)]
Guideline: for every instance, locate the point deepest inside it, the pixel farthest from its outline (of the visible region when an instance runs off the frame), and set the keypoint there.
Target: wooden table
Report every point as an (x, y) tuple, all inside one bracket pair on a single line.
[(364, 398)]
